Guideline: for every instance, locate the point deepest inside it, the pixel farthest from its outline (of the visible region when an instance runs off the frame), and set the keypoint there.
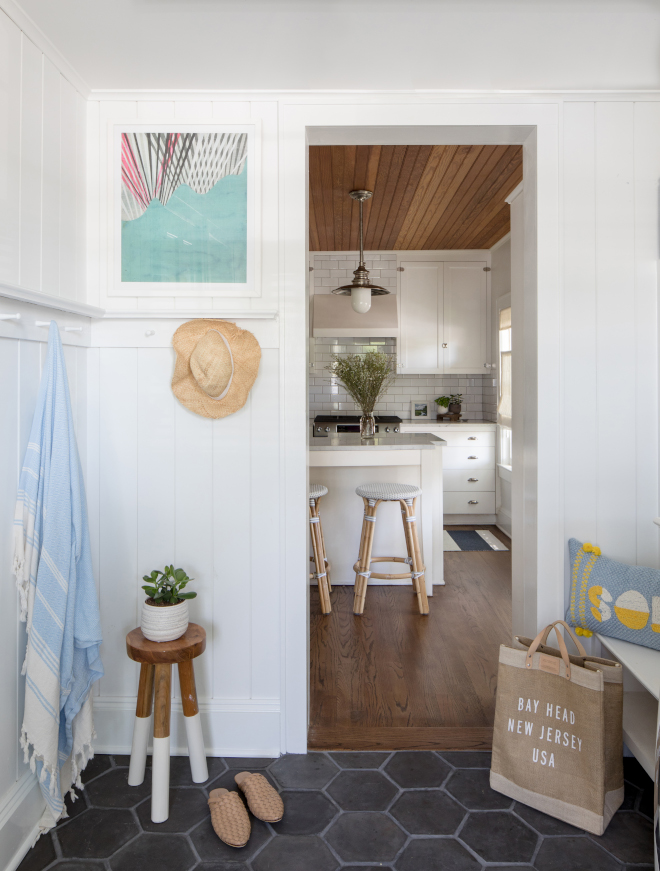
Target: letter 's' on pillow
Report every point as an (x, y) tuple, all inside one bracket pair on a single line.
[(613, 599)]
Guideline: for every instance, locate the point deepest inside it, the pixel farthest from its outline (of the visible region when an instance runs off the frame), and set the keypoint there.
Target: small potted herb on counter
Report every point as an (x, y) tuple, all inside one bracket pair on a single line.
[(165, 612), (365, 377), (449, 404)]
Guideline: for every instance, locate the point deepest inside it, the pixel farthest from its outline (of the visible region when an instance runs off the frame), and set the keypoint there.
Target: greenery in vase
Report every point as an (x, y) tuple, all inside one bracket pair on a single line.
[(365, 377), (456, 399), (442, 401), (165, 588)]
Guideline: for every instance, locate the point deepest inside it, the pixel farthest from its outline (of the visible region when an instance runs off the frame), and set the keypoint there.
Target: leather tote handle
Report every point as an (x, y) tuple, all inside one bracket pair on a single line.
[(563, 623), (562, 647)]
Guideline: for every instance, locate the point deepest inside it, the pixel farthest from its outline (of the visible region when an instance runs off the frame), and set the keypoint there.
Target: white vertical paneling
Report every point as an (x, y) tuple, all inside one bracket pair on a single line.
[(232, 601), (31, 130), (156, 111), (647, 240), (80, 253), (193, 542), (192, 112), (10, 121), (92, 186), (71, 361), (579, 323), (93, 467), (50, 216), (69, 169), (156, 463), (118, 575), (616, 340), (9, 403), (230, 112), (265, 526)]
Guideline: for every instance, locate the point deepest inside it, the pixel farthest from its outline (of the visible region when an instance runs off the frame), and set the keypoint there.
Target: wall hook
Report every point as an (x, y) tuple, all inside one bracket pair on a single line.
[(42, 323), (150, 333), (73, 329), (10, 317)]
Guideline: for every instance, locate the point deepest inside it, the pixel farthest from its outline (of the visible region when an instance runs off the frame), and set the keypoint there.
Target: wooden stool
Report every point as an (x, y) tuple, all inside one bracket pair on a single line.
[(157, 658), (319, 558), (373, 495)]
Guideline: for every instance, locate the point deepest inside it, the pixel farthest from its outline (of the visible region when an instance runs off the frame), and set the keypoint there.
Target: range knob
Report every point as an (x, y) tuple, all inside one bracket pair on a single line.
[(387, 429), (327, 429), (396, 429), (319, 429)]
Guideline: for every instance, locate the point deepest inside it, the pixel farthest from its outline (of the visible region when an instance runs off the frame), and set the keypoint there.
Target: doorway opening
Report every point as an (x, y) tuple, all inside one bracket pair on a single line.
[(391, 678)]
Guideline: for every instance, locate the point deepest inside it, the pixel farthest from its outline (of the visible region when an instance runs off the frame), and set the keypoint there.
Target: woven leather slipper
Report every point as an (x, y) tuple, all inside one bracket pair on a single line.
[(230, 820), (264, 801)]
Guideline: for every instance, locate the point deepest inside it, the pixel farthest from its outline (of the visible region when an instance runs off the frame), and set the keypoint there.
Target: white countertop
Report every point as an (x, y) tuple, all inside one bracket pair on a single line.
[(353, 442), (431, 421)]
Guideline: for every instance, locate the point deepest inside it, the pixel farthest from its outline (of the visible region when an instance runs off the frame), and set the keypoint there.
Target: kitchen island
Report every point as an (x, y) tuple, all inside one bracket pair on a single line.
[(343, 462)]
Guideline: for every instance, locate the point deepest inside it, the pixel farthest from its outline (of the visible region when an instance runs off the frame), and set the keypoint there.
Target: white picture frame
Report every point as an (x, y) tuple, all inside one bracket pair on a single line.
[(181, 289), (419, 410)]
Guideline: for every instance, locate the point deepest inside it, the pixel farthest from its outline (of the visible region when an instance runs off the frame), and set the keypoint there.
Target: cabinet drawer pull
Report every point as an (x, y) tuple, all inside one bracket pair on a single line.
[(444, 344), (473, 502), (472, 480), (473, 458), (472, 438)]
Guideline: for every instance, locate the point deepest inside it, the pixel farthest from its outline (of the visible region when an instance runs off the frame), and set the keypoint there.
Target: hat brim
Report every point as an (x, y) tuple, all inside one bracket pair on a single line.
[(245, 352)]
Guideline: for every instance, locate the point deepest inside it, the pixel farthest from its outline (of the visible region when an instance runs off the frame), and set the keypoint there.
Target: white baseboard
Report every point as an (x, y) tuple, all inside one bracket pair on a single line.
[(20, 811), (469, 519), (231, 727)]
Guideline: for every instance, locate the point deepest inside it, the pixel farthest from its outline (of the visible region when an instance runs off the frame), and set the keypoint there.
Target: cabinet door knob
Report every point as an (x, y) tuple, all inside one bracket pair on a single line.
[(444, 344), (473, 502), (472, 438), (472, 480), (473, 458)]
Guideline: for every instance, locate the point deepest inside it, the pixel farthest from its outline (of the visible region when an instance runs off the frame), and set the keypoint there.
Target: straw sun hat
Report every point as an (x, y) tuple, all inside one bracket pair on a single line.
[(216, 365)]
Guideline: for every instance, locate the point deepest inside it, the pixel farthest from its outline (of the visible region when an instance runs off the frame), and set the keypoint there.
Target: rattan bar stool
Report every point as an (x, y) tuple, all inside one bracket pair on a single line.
[(372, 495), (319, 556)]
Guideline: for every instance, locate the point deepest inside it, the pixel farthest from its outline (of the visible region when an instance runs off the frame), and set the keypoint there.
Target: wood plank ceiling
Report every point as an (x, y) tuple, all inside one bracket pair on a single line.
[(426, 197)]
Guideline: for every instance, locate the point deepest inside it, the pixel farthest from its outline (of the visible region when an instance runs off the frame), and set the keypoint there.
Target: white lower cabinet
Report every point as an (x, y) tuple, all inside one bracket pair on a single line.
[(468, 464)]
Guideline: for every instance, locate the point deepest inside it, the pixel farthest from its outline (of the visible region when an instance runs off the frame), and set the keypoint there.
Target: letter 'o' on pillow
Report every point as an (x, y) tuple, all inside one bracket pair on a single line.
[(613, 599)]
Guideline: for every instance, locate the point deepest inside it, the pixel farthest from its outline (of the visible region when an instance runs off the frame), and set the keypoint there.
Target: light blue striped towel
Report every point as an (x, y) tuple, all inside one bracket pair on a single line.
[(53, 567)]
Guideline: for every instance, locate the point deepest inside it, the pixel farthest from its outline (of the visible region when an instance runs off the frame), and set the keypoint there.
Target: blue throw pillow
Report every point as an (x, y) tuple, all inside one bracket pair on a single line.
[(613, 599)]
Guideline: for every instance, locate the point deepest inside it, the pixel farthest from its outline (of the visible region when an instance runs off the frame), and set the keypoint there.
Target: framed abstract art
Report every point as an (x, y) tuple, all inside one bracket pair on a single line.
[(185, 211)]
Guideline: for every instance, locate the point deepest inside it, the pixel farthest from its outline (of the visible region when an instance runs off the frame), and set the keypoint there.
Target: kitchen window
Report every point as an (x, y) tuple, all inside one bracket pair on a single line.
[(504, 403)]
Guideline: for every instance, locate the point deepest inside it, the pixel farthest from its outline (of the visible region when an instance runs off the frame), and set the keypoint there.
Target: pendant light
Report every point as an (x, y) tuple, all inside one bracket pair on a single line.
[(361, 289)]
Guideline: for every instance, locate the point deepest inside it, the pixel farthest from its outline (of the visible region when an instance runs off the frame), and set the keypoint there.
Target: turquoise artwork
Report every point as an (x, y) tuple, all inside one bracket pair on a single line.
[(184, 207)]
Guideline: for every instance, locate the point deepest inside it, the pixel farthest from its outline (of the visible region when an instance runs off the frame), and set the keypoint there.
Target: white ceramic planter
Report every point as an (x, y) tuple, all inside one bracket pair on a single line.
[(165, 622)]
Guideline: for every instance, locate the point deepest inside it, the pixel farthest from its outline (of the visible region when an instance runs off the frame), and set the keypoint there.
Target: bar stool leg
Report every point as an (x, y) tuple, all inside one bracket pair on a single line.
[(141, 725), (409, 545), (324, 555), (418, 565), (362, 575), (319, 564), (160, 782), (193, 721)]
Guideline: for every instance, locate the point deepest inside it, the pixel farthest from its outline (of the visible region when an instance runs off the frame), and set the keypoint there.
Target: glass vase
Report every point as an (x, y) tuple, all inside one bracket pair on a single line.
[(367, 426)]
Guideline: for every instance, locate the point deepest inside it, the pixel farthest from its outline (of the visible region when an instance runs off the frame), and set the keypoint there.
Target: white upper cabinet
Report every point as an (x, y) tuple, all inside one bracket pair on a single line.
[(443, 317)]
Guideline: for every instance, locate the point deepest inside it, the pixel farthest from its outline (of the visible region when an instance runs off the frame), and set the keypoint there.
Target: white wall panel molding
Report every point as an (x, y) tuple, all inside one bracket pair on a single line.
[(41, 41), (156, 332), (20, 811)]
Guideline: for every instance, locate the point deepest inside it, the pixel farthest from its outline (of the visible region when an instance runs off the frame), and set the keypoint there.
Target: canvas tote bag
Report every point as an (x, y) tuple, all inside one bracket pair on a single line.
[(557, 741)]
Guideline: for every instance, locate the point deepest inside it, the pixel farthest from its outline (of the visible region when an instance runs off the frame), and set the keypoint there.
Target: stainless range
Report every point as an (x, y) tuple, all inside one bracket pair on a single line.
[(329, 424)]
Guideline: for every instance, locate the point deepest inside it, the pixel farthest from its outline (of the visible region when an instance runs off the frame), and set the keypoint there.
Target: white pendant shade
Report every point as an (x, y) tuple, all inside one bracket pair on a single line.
[(361, 299)]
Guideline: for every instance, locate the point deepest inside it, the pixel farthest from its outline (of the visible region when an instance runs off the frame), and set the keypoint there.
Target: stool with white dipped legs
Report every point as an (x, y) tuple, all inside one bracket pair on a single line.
[(372, 495), (156, 659), (319, 556)]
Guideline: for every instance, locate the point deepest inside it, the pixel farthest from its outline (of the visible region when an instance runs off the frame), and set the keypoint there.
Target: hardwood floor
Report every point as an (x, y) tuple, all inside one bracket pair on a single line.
[(392, 679)]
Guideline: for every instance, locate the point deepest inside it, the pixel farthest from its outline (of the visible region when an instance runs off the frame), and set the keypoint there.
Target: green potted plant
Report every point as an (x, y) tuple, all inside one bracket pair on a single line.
[(165, 611), (455, 400), (365, 377), (442, 402)]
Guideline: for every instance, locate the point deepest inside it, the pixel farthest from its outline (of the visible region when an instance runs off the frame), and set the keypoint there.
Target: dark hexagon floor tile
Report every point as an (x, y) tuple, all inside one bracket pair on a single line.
[(187, 808), (165, 852), (629, 837), (78, 866), (630, 795), (112, 790), (125, 761), (226, 780), (417, 768), (359, 759), (558, 854), (248, 763), (499, 837), (468, 758), (367, 868), (471, 786), (362, 791), (211, 848), (221, 866), (290, 853), (436, 854), (97, 765), (73, 808), (303, 770), (427, 812), (40, 856), (180, 774), (515, 868), (305, 813), (365, 837), (544, 824), (97, 833)]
